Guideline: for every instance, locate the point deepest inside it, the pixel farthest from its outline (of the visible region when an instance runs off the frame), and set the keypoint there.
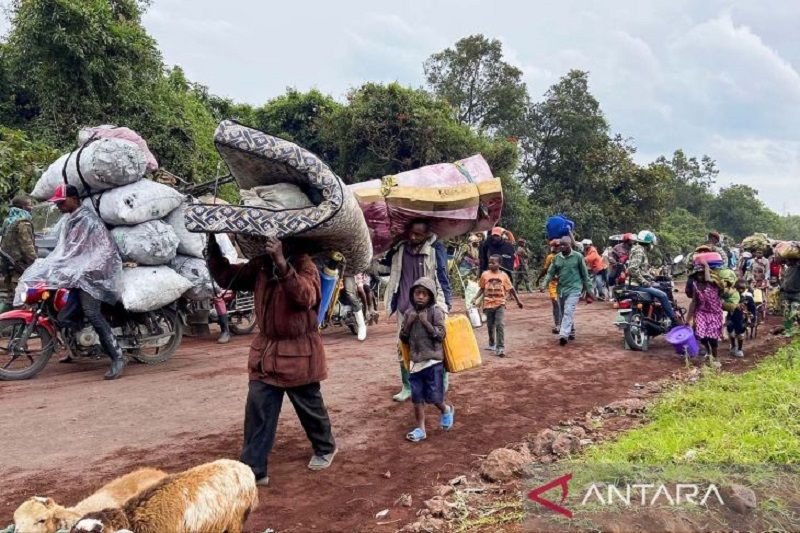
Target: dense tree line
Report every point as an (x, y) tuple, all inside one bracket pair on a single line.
[(71, 63)]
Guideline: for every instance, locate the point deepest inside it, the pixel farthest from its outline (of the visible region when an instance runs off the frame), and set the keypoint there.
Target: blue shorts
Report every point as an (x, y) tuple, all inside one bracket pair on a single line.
[(427, 386)]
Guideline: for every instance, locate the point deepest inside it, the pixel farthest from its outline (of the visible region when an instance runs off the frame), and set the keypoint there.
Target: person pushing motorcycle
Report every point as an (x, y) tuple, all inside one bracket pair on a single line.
[(638, 272), (91, 283)]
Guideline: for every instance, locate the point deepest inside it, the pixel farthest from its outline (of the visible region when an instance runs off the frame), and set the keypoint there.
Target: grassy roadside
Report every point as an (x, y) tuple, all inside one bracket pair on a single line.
[(746, 418), (725, 428)]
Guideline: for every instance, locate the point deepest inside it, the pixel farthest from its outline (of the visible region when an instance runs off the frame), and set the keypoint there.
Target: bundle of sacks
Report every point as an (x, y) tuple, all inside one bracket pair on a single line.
[(163, 261)]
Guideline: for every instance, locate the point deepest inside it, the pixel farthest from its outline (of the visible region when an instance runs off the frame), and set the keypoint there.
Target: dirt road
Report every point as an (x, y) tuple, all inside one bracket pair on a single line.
[(68, 431)]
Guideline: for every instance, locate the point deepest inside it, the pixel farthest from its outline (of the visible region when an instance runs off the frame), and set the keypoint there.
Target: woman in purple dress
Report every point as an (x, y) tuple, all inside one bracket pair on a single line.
[(706, 309)]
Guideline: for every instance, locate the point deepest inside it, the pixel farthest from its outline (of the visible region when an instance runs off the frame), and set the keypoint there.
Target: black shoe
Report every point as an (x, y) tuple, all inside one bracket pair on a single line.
[(562, 341), (555, 331), (116, 369), (572, 336)]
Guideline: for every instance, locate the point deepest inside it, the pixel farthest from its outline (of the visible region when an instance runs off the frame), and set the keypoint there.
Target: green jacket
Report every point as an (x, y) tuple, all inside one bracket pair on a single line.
[(18, 243), (573, 276)]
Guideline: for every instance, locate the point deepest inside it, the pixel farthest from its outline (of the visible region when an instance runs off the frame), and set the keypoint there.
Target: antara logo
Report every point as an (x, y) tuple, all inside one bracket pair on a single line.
[(636, 494)]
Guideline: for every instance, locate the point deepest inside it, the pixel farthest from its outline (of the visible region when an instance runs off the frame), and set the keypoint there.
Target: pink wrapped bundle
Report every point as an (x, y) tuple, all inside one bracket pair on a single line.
[(456, 198), (116, 132)]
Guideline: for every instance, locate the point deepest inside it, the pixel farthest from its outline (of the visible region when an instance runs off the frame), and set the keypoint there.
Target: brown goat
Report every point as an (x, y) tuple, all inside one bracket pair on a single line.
[(44, 515), (213, 497)]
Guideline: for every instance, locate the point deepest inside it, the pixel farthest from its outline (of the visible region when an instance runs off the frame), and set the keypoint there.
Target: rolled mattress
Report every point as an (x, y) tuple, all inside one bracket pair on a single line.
[(456, 198), (334, 223)]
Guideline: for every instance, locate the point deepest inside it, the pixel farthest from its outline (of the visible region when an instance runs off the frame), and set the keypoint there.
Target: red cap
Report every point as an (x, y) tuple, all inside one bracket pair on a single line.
[(63, 192), (497, 230)]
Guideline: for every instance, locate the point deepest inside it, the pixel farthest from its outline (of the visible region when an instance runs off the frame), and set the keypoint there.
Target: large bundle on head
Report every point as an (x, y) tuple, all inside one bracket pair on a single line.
[(97, 165), (332, 222), (756, 242), (788, 250), (455, 198)]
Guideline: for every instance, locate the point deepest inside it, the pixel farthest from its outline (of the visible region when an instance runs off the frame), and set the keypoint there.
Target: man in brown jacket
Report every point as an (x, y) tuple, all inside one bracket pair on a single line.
[(286, 356)]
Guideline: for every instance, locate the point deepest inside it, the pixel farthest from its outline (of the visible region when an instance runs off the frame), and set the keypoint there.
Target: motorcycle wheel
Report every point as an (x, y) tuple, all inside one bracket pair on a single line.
[(41, 346), (636, 337), (243, 324), (171, 323)]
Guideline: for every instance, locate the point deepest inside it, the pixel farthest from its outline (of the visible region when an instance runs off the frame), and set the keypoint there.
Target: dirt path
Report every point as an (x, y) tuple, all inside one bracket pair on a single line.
[(68, 431)]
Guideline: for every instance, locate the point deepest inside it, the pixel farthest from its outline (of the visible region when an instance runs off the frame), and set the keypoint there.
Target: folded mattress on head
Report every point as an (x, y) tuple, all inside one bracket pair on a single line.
[(333, 223)]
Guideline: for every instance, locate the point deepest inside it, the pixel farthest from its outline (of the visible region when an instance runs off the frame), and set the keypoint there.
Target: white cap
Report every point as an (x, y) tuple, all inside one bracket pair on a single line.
[(586, 242)]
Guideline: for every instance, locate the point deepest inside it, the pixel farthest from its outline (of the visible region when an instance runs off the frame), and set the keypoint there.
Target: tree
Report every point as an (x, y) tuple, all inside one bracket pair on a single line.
[(22, 160), (486, 92), (681, 232), (691, 181), (78, 62), (387, 129), (299, 117), (737, 211)]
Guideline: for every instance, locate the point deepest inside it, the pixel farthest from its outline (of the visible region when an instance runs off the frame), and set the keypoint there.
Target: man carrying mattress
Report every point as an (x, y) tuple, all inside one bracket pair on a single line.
[(287, 356), (420, 255)]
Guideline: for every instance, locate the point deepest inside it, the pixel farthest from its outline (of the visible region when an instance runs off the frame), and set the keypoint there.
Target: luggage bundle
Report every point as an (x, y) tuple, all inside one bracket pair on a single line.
[(145, 218), (455, 198), (788, 250), (756, 242), (323, 217)]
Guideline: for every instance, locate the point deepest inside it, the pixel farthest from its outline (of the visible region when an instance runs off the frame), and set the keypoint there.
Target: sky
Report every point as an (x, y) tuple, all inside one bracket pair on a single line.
[(716, 77)]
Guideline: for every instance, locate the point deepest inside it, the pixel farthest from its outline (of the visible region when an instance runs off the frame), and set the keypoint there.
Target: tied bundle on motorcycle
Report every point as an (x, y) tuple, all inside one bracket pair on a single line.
[(455, 198), (332, 221), (85, 257)]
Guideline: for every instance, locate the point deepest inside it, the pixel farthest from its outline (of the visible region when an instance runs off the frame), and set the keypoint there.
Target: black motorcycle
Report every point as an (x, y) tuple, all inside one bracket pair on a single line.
[(641, 316)]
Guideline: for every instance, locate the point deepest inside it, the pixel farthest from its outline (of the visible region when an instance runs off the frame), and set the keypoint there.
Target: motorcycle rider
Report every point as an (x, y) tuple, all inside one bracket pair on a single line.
[(67, 200), (17, 249), (638, 272), (619, 257)]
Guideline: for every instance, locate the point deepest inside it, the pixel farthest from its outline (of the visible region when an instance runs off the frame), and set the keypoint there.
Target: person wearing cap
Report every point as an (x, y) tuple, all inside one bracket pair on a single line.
[(573, 278), (496, 245), (17, 249), (67, 200), (597, 268), (638, 272)]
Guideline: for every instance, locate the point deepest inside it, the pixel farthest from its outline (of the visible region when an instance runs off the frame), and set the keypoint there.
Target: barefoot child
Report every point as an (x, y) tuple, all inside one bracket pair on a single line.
[(423, 332), (495, 286)]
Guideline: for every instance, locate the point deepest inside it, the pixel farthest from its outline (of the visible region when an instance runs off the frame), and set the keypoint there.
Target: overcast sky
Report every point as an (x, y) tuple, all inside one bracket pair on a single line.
[(709, 76)]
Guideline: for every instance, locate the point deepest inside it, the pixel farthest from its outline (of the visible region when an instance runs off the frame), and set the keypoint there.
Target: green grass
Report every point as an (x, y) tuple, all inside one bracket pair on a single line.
[(746, 418)]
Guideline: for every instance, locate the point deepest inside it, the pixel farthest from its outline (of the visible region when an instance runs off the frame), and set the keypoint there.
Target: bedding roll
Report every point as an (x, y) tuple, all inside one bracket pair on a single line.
[(333, 223)]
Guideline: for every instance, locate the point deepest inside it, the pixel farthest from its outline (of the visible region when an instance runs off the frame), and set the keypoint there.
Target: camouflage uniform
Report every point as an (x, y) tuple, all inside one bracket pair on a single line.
[(790, 298), (638, 266), (18, 244)]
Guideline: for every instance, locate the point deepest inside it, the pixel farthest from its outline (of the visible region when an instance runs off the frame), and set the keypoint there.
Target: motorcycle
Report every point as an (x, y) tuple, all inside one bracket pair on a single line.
[(641, 316), (240, 308), (29, 336)]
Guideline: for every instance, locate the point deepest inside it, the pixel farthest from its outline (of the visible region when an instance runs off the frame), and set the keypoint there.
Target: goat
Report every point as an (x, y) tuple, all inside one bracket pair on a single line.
[(212, 497), (44, 515)]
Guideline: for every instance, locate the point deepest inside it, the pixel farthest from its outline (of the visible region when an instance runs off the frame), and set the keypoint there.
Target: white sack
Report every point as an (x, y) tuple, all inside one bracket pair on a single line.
[(192, 244), (117, 132), (105, 163), (228, 250), (196, 271), (150, 243), (149, 288), (137, 203), (278, 197)]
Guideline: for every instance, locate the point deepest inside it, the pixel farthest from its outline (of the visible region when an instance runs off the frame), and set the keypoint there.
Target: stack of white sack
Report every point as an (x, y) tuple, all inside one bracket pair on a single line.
[(145, 218)]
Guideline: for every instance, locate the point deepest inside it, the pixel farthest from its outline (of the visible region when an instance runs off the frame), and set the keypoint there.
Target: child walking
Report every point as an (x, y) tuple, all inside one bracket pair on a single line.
[(495, 286), (737, 318), (706, 310), (423, 331)]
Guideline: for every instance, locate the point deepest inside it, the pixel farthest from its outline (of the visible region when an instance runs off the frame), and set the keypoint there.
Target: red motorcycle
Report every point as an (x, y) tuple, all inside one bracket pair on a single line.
[(29, 336)]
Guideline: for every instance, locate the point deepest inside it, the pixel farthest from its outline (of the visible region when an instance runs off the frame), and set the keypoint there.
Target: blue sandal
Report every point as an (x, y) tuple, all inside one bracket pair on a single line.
[(416, 435), (448, 418)]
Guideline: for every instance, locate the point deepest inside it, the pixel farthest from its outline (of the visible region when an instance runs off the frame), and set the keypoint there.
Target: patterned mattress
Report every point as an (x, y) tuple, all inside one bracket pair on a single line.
[(335, 223)]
